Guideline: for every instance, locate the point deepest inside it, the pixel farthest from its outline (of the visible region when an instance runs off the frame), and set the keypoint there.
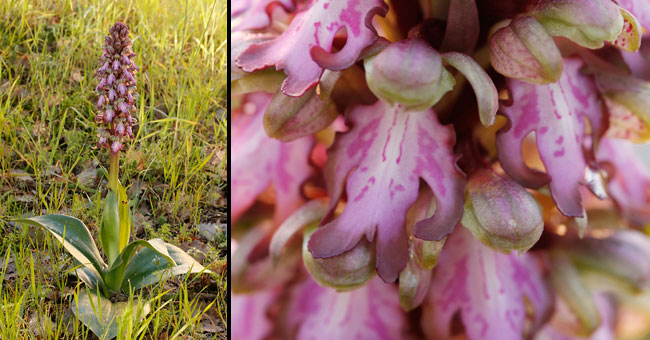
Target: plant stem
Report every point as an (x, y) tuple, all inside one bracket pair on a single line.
[(112, 175)]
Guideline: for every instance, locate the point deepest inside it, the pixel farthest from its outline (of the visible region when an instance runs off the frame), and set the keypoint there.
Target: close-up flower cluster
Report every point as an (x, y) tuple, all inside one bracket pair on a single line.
[(116, 89), (440, 169)]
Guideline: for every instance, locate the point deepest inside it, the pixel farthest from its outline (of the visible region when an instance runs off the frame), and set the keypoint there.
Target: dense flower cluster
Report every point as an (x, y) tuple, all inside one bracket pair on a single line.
[(469, 160), (116, 89)]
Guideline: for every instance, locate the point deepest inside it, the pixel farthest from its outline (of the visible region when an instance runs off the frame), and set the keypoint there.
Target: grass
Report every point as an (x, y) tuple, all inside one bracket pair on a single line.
[(175, 168)]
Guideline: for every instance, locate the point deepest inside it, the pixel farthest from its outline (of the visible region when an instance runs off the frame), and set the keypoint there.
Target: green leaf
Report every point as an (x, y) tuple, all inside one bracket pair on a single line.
[(115, 274), (100, 314), (89, 276), (73, 234), (149, 267), (109, 231), (125, 218)]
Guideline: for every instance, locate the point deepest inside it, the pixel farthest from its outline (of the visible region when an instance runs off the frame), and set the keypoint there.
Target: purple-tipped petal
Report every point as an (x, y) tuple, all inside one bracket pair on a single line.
[(313, 30), (116, 65), (111, 95), (487, 288), (111, 79), (371, 312), (556, 112), (259, 161), (390, 151)]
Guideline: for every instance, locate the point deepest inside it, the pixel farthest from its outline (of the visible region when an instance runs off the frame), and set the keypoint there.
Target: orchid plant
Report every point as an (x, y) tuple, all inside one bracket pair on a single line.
[(129, 266), (370, 182)]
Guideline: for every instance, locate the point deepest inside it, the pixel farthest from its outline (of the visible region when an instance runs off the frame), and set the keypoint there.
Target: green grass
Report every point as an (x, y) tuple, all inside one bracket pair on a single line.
[(175, 168)]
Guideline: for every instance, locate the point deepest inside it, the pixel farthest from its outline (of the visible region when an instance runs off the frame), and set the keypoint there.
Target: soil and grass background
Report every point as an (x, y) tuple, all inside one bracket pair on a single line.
[(175, 168)]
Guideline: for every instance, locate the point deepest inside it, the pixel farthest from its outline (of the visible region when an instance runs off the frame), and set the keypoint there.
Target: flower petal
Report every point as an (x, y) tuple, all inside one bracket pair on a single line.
[(255, 14), (249, 319), (630, 184), (312, 32), (259, 161), (389, 150), (487, 288), (556, 113), (368, 313)]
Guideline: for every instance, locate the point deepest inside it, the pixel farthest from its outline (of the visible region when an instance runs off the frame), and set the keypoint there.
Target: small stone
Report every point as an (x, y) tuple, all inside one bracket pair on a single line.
[(209, 231), (88, 176)]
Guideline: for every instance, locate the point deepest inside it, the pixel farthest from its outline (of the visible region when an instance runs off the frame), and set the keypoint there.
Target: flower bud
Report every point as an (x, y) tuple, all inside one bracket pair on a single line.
[(121, 89), (586, 22), (349, 270), (408, 72), (111, 79), (501, 213), (524, 50), (102, 141)]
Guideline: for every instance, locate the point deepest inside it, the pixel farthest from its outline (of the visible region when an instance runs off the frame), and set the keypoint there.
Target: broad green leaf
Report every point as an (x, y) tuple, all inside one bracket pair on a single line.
[(109, 231), (89, 276), (100, 314), (148, 267), (73, 234), (115, 274), (125, 218)]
